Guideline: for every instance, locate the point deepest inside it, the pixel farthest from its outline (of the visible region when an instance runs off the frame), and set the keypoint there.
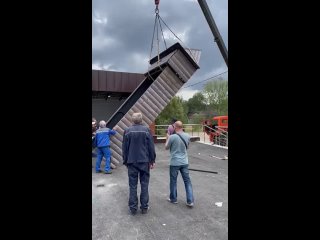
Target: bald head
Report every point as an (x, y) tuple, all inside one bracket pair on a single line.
[(178, 125)]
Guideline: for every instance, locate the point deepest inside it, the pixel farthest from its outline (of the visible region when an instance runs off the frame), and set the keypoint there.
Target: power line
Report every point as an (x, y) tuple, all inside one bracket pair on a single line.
[(205, 80)]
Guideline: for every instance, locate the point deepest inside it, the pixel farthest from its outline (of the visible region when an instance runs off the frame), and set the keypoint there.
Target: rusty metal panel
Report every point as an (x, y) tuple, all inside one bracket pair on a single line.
[(102, 80), (125, 82), (131, 85), (117, 81), (95, 84), (110, 81)]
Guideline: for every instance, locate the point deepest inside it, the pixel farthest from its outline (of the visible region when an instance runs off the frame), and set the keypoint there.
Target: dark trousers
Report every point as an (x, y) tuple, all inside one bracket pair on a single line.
[(141, 171)]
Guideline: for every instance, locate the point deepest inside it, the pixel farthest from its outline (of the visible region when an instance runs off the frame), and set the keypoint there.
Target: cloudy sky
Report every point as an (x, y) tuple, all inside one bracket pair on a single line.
[(122, 35)]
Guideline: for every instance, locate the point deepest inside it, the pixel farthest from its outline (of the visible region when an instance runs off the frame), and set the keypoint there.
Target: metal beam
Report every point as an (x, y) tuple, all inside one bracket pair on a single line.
[(214, 29), (199, 170)]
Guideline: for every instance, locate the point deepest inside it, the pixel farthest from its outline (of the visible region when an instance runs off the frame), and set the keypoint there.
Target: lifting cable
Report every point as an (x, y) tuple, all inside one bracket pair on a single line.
[(157, 24), (156, 29)]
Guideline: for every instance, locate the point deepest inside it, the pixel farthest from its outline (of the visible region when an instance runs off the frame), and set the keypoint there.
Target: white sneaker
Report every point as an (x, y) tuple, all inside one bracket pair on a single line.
[(189, 204), (169, 200)]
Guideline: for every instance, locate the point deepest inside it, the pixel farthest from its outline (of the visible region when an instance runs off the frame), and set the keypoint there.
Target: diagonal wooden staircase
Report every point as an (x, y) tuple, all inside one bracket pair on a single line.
[(162, 81)]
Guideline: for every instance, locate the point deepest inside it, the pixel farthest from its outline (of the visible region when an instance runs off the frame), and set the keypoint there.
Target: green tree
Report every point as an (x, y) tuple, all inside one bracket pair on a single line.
[(185, 107), (196, 103), (173, 109), (216, 96)]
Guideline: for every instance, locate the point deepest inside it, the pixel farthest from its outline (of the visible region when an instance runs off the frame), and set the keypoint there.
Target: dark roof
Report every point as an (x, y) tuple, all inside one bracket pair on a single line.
[(110, 81)]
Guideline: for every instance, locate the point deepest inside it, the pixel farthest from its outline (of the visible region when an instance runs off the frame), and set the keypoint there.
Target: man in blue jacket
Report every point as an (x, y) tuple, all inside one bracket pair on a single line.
[(139, 156), (102, 141)]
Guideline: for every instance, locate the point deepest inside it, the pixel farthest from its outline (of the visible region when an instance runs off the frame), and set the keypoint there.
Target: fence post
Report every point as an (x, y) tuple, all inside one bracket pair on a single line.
[(204, 134)]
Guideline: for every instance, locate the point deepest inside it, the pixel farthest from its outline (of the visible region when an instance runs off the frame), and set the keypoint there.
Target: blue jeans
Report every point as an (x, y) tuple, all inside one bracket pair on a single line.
[(142, 171), (174, 171), (103, 152)]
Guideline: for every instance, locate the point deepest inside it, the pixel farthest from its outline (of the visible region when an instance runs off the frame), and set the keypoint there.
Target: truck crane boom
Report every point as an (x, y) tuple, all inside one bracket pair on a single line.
[(214, 29)]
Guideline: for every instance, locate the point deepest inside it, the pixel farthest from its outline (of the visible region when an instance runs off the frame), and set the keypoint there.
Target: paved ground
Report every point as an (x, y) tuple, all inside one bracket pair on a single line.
[(111, 220)]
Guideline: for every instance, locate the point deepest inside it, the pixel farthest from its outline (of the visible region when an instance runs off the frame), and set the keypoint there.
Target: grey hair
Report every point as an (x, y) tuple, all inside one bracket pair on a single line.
[(137, 118), (102, 124)]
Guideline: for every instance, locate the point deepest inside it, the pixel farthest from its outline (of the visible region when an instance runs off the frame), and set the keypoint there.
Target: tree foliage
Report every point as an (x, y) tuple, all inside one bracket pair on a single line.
[(174, 109), (196, 103), (216, 96), (212, 100)]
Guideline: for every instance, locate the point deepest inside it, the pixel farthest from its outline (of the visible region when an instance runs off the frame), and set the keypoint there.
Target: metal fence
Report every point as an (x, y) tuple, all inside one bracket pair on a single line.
[(217, 136), (192, 129)]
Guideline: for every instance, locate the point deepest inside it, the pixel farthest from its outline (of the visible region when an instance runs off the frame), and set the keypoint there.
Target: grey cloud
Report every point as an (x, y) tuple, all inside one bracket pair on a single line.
[(130, 26)]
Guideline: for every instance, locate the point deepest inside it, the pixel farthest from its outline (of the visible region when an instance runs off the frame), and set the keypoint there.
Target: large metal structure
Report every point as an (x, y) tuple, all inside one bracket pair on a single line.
[(162, 81)]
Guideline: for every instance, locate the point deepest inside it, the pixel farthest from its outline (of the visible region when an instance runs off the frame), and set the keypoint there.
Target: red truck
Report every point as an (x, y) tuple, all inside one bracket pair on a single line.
[(217, 129)]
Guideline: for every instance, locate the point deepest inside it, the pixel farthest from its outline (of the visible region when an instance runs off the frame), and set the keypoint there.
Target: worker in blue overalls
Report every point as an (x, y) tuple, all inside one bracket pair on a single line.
[(102, 141)]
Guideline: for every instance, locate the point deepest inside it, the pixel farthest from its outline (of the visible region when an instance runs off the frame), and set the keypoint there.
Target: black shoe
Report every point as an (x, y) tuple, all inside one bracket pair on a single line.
[(99, 171), (108, 172), (133, 212), (144, 210)]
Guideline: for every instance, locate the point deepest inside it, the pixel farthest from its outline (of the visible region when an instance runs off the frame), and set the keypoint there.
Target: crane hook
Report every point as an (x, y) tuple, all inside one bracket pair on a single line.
[(156, 2)]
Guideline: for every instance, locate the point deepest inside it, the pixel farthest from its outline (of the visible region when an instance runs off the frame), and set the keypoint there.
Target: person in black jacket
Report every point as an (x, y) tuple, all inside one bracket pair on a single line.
[(139, 156)]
